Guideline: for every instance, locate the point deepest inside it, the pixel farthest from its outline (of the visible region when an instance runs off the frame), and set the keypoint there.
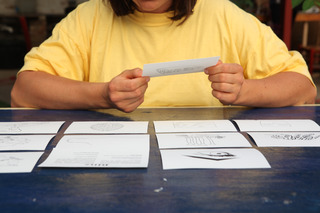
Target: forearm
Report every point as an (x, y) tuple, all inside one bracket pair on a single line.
[(283, 89), (42, 90)]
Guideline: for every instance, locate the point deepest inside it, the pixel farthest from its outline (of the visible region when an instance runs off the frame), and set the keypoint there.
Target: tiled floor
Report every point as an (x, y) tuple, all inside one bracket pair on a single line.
[(7, 78)]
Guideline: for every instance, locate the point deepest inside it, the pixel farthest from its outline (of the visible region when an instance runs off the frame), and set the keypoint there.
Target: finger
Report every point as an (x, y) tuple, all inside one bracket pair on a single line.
[(223, 78), (128, 105), (134, 84), (136, 76), (224, 97), (219, 62), (133, 103), (127, 96), (131, 106), (134, 73), (131, 74), (120, 84), (224, 87), (225, 68), (137, 93), (209, 69)]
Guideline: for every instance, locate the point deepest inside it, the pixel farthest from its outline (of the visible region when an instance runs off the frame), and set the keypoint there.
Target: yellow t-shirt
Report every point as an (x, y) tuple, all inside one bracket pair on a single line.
[(93, 44)]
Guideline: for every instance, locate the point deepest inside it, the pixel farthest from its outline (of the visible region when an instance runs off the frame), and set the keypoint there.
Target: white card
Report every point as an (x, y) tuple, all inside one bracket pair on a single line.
[(179, 67), (100, 151), (280, 125), (24, 142), (18, 162), (202, 140), (213, 159), (107, 127), (194, 126), (286, 139), (30, 127)]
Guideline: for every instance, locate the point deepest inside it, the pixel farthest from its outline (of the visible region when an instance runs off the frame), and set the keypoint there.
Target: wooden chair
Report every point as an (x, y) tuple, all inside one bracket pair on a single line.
[(310, 52)]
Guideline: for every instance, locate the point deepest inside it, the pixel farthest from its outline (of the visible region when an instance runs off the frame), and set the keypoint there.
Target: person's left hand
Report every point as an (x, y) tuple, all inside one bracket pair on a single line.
[(226, 81)]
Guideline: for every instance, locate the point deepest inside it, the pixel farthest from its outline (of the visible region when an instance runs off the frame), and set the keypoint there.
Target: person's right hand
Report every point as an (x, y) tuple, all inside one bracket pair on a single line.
[(126, 91)]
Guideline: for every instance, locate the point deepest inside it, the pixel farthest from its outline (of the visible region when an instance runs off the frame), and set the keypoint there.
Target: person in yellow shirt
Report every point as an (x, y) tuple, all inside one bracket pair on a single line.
[(94, 58)]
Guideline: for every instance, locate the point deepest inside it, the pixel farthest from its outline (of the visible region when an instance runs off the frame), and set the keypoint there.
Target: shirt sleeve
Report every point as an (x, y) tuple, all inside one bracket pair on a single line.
[(66, 52), (261, 52)]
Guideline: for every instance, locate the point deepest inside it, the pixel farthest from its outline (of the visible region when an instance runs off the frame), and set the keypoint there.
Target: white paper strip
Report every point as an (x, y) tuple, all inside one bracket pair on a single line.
[(179, 67)]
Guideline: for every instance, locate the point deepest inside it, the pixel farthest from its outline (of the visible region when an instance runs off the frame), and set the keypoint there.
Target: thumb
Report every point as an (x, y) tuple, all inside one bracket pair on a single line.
[(219, 62)]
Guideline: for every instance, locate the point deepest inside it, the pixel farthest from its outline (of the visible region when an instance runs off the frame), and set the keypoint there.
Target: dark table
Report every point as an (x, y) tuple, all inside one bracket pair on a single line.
[(291, 185)]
